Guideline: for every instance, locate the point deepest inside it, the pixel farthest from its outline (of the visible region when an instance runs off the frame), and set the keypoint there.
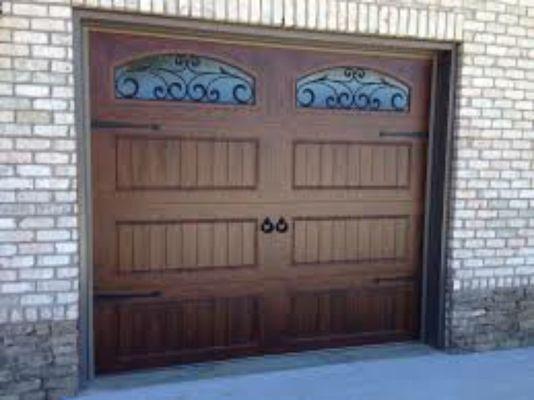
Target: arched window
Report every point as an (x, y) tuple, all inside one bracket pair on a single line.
[(184, 78), (352, 88)]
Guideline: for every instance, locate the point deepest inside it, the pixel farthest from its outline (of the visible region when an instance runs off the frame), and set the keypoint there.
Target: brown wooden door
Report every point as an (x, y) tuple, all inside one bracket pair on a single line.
[(183, 181)]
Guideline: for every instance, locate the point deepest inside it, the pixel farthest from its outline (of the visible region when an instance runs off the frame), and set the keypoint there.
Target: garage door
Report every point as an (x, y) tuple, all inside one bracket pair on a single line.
[(252, 198)]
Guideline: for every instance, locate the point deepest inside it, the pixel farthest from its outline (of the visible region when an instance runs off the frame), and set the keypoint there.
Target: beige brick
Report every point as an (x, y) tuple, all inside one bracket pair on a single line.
[(14, 22), (432, 26), (16, 287), (383, 20), (48, 24), (352, 17), (28, 9), (16, 50), (34, 170), (393, 21), (404, 14), (13, 157), (60, 11), (14, 236), (53, 52), (36, 299), (422, 30), (38, 117), (32, 90), (373, 20), (29, 64), (30, 37)]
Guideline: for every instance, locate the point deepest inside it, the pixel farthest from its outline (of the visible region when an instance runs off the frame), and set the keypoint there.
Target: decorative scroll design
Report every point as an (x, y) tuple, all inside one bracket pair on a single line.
[(352, 88), (186, 78)]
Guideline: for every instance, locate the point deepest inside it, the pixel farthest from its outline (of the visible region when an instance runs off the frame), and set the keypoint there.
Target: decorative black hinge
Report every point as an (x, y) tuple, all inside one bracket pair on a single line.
[(100, 124), (125, 295)]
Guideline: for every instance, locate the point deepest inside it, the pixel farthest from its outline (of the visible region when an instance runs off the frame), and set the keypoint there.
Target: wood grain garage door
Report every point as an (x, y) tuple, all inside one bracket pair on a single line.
[(252, 198)]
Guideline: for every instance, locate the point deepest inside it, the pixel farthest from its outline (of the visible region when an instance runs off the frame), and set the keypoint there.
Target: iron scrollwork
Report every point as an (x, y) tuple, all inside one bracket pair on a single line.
[(184, 77), (352, 88)]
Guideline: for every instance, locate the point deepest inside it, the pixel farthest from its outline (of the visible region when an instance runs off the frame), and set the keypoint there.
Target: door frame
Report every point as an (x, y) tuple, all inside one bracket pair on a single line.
[(440, 137)]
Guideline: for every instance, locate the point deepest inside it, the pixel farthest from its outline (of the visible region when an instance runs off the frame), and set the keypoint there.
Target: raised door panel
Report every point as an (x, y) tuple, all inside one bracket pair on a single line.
[(148, 163), (139, 169), (353, 240), (357, 313), (142, 334), (351, 165), (356, 170), (160, 247)]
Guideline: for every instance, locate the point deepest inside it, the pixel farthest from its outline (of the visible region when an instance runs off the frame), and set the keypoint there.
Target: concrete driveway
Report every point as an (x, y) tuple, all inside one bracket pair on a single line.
[(395, 372)]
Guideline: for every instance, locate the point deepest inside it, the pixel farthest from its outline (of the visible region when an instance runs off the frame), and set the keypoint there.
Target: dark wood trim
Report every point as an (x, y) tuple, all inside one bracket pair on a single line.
[(83, 122), (426, 268), (439, 160), (437, 205)]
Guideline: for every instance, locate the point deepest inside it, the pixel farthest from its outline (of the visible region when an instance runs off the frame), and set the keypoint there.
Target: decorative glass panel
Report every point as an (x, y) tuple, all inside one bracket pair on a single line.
[(184, 77), (352, 88)]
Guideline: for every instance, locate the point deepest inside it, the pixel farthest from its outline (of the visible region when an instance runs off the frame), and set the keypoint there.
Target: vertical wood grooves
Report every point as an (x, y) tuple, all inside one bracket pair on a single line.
[(352, 311), (349, 239), (327, 165), (180, 163), (167, 246), (186, 325)]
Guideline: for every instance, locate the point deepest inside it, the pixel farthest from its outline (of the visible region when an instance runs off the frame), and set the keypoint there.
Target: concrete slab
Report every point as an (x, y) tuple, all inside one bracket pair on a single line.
[(396, 372)]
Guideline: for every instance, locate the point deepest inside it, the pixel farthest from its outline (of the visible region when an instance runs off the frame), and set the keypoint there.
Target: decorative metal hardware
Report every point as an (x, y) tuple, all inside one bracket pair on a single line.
[(352, 88), (99, 124), (124, 295), (405, 134), (267, 225), (184, 77), (281, 225)]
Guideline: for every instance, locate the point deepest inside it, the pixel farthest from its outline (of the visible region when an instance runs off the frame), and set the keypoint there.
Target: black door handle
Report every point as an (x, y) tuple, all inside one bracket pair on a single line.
[(267, 225), (281, 225)]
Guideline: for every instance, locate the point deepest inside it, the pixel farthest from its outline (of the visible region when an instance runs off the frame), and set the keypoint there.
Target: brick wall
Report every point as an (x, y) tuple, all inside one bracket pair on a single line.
[(38, 215), (491, 263)]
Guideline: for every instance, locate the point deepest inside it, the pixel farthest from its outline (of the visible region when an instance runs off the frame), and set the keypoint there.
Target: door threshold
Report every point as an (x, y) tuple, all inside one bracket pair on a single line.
[(255, 365)]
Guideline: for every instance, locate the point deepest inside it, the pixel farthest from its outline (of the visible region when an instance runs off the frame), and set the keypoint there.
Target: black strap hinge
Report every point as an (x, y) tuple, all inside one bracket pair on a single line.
[(100, 124)]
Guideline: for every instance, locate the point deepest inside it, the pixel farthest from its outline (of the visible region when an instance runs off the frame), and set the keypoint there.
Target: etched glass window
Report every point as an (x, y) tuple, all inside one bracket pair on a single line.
[(186, 78), (352, 88)]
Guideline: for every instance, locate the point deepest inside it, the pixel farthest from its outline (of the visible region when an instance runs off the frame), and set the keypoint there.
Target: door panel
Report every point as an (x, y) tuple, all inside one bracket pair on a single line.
[(186, 267), (170, 246), (351, 165), (185, 163), (139, 334), (350, 240), (356, 312)]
